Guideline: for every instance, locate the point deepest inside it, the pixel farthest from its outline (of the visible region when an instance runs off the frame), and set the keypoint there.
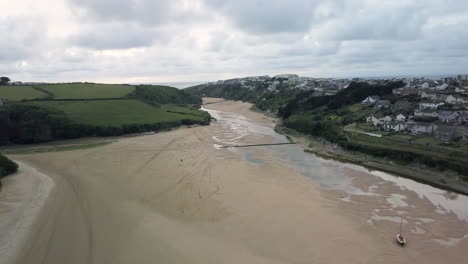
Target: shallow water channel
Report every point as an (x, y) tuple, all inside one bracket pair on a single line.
[(329, 174)]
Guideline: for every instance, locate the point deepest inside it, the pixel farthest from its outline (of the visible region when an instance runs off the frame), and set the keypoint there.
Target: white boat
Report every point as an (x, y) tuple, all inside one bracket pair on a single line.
[(400, 238)]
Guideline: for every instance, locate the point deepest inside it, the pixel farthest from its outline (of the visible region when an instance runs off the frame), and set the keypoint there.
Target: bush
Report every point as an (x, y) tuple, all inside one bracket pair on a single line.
[(7, 166)]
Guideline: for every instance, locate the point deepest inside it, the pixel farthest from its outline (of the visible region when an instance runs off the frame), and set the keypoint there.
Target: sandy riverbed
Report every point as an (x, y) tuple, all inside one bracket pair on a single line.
[(175, 198)]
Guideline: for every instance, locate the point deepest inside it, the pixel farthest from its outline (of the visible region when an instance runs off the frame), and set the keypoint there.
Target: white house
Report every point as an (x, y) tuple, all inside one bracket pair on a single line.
[(400, 117), (370, 100), (461, 100), (376, 120), (430, 104), (424, 85), (459, 90), (394, 126), (442, 87), (426, 95), (451, 99)]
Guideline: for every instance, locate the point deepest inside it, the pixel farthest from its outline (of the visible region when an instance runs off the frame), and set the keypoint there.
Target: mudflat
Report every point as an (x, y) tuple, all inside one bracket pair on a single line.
[(174, 197)]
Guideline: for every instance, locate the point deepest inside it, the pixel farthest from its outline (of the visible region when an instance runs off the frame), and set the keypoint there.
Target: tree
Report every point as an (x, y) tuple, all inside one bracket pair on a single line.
[(4, 80)]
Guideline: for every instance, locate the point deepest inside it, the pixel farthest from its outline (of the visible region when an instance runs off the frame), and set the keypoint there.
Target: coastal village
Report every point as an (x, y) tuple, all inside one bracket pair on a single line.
[(434, 111), (434, 108)]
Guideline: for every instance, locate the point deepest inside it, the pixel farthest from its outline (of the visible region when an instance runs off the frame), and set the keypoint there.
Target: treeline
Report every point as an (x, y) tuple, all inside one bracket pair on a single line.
[(7, 166), (158, 94), (25, 124), (358, 91)]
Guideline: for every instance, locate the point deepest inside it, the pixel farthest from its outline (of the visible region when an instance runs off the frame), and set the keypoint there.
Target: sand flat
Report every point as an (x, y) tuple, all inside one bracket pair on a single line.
[(174, 198)]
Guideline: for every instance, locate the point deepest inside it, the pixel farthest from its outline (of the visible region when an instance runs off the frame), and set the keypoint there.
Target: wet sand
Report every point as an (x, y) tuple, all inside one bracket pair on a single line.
[(174, 197)]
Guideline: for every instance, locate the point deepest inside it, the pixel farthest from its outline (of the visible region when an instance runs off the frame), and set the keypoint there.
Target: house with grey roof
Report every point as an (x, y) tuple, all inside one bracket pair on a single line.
[(422, 113), (419, 128), (447, 133), (463, 118), (382, 104), (402, 105), (448, 116)]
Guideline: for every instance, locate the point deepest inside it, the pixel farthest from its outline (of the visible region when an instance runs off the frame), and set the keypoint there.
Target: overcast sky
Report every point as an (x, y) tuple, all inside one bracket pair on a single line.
[(135, 41)]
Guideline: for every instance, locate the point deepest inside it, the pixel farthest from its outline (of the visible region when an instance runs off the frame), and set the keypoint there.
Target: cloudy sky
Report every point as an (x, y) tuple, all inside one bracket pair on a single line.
[(134, 41)]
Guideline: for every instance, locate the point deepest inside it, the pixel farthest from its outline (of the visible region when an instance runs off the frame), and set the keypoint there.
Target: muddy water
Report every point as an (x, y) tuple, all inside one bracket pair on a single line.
[(381, 199)]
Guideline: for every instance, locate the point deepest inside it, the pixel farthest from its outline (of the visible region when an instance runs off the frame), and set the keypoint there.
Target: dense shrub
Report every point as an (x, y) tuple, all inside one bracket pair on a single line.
[(407, 157), (7, 166)]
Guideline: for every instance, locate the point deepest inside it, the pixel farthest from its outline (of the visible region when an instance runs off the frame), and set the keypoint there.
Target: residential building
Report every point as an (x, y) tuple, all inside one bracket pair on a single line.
[(461, 100), (419, 128), (426, 104), (370, 100), (451, 99), (442, 87), (405, 91), (402, 105), (427, 95), (459, 90), (448, 116), (394, 126), (420, 113), (382, 104), (447, 133), (463, 118), (376, 120), (400, 117)]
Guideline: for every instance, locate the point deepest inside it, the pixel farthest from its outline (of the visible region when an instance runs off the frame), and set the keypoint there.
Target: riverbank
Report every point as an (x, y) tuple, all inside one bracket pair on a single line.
[(443, 180), (21, 200)]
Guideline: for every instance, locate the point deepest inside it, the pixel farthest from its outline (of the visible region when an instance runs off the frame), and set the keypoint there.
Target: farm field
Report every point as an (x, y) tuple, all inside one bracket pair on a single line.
[(88, 90), (120, 112), (19, 92)]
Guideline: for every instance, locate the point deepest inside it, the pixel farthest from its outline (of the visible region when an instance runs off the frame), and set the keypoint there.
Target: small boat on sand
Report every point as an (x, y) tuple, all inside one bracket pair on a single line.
[(400, 238)]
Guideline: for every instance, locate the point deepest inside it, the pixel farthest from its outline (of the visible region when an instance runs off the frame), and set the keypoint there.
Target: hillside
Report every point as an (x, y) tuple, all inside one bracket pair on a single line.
[(42, 113), (324, 115)]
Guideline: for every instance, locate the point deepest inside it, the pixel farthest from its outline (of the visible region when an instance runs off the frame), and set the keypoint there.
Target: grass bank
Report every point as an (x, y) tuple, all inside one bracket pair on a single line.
[(441, 179)]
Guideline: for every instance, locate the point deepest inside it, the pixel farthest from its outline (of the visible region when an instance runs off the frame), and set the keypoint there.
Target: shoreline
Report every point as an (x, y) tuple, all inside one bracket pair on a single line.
[(23, 197), (324, 149)]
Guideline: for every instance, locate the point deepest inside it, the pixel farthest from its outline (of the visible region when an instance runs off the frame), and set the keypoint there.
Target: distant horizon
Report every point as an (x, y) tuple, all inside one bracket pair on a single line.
[(185, 84)]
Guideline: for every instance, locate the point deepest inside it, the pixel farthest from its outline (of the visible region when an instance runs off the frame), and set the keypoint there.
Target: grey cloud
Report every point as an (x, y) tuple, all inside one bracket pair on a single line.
[(115, 36), (145, 11), (267, 16), (20, 36)]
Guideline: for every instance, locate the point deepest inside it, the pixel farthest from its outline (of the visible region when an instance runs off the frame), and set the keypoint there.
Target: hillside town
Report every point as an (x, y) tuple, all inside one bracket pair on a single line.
[(428, 107), (437, 108)]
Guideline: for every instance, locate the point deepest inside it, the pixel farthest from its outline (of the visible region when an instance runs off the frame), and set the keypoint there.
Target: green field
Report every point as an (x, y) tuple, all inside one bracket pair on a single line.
[(19, 92), (88, 90), (120, 112)]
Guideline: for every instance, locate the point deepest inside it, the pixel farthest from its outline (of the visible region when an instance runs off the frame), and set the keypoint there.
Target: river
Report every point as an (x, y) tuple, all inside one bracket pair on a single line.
[(400, 198)]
